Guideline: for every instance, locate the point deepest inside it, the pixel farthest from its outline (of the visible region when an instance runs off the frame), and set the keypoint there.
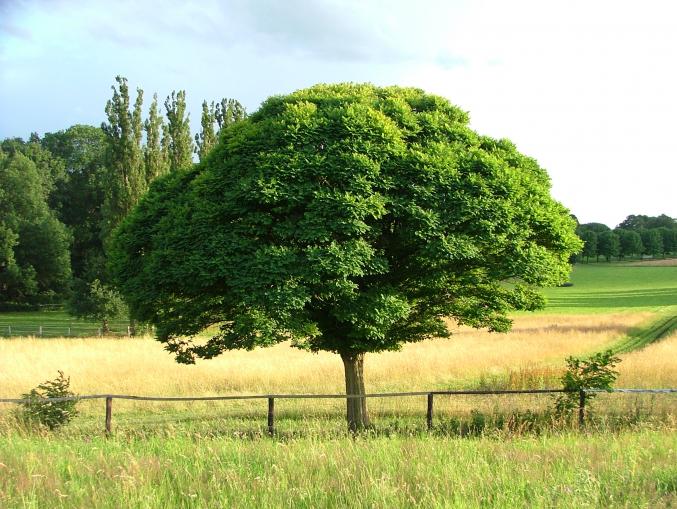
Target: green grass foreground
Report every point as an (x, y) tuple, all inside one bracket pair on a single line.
[(627, 469)]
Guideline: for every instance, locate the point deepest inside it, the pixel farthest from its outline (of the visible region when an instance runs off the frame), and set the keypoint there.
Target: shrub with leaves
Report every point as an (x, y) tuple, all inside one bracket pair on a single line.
[(52, 414), (96, 301), (596, 372)]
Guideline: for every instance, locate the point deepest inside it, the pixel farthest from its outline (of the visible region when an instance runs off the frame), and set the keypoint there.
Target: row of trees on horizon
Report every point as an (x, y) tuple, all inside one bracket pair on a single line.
[(636, 236), (63, 194)]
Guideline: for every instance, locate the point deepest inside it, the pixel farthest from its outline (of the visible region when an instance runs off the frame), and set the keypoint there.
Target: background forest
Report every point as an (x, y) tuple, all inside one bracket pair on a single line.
[(62, 195)]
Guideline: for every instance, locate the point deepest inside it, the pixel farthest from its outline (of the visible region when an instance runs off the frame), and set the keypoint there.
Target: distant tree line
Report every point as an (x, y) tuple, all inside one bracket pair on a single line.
[(637, 236), (62, 195)]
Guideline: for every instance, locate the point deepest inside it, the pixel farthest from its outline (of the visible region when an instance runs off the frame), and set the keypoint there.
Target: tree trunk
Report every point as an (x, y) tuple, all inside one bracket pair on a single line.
[(105, 329), (357, 416)]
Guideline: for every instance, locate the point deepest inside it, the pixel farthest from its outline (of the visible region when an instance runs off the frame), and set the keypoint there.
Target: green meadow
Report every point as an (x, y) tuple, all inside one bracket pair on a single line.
[(601, 287)]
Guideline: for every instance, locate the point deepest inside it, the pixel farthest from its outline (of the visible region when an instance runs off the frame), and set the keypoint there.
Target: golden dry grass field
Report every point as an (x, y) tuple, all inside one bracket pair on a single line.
[(531, 355)]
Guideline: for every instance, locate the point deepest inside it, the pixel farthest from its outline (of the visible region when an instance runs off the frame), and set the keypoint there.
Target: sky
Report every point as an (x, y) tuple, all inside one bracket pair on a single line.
[(587, 88)]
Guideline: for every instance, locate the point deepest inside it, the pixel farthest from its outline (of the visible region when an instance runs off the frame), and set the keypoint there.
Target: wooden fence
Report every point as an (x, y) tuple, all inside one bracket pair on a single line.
[(582, 396)]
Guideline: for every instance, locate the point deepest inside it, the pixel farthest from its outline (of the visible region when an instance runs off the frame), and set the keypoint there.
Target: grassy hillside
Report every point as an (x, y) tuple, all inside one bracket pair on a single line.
[(603, 287)]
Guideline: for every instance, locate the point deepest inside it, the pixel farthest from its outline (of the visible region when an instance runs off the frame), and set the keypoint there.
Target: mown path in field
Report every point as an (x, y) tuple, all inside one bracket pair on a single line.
[(649, 333), (623, 287)]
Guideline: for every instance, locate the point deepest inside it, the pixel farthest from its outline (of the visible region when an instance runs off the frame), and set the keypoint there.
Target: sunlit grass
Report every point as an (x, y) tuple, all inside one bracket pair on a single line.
[(602, 287), (652, 366)]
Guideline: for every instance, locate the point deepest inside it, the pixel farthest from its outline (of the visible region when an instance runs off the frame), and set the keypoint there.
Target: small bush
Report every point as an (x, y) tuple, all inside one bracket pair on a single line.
[(52, 414), (595, 372)]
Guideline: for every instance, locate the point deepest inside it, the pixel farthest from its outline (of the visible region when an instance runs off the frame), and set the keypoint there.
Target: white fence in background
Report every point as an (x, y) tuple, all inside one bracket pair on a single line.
[(10, 330)]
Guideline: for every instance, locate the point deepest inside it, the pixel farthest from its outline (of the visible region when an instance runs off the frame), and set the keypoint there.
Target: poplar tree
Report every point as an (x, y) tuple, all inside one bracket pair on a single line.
[(166, 138), (124, 155), (228, 111), (206, 139), (180, 142), (124, 170), (154, 153)]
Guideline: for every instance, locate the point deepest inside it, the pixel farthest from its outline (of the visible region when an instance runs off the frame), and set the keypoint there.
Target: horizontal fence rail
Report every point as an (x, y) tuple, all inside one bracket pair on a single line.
[(13, 330), (272, 397)]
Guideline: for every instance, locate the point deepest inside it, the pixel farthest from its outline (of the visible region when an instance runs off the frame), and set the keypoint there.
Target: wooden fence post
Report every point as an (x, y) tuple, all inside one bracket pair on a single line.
[(271, 416), (109, 413), (429, 416), (581, 407)]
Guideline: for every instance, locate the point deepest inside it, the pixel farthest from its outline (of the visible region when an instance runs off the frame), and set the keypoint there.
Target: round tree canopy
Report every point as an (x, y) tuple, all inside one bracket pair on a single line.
[(348, 218)]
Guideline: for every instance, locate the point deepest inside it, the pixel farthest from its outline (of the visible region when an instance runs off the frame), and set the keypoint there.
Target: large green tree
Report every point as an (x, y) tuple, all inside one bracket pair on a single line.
[(125, 180), (34, 244), (50, 167), (346, 218), (643, 222), (82, 149), (595, 227)]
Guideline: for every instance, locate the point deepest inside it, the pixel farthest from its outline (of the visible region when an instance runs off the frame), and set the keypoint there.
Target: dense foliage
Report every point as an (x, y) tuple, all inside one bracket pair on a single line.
[(62, 195), (96, 301), (34, 244)]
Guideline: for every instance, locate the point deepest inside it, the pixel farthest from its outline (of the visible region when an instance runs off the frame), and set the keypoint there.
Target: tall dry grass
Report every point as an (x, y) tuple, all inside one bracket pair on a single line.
[(532, 353), (653, 366)]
